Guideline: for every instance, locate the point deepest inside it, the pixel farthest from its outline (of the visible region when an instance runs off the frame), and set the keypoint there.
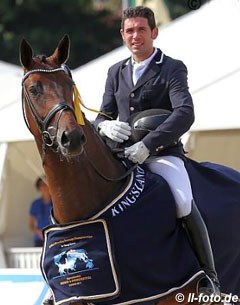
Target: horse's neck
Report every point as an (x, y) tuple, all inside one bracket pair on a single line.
[(77, 190)]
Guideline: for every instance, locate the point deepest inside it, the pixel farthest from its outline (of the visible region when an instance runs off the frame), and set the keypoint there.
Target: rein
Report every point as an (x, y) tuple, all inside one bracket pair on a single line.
[(125, 175)]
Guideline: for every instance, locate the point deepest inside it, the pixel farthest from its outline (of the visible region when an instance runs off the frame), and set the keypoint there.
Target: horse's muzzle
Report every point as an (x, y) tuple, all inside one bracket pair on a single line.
[(71, 142)]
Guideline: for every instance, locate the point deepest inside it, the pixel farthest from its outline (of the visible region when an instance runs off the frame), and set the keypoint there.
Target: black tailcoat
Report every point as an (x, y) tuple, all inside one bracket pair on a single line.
[(163, 85)]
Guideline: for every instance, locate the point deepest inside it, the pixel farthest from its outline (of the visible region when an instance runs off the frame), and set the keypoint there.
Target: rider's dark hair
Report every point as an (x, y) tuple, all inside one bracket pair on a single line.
[(139, 11)]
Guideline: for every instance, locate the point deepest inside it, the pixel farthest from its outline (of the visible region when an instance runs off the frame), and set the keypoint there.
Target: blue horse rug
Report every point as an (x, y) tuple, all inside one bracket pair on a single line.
[(142, 252), (216, 190)]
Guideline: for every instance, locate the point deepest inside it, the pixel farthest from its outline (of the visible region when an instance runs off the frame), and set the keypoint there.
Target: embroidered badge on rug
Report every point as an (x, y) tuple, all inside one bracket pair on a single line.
[(78, 264)]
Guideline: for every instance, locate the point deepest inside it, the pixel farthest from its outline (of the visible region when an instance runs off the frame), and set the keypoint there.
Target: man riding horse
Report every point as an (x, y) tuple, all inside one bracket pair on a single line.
[(161, 83)]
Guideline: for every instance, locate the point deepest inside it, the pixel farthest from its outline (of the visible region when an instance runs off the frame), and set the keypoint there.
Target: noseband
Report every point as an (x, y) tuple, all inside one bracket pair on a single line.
[(47, 137)]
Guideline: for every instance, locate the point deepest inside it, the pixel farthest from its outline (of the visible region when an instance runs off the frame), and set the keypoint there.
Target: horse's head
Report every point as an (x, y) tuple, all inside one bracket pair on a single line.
[(47, 97)]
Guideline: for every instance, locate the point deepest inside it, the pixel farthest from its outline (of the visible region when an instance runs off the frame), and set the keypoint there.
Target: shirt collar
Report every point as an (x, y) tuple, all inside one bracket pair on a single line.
[(146, 61)]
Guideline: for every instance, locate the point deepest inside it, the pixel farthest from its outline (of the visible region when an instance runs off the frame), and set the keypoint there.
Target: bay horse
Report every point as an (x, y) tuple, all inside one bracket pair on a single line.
[(101, 205)]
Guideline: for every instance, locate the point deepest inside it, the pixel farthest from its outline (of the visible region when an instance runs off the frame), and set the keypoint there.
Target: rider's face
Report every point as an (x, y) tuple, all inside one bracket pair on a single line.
[(139, 37)]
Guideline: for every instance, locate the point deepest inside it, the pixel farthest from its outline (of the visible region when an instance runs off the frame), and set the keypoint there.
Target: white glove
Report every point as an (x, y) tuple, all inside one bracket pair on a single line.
[(137, 153), (115, 130)]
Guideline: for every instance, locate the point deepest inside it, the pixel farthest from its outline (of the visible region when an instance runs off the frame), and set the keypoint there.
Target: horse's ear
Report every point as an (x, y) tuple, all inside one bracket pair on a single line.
[(61, 53), (25, 53)]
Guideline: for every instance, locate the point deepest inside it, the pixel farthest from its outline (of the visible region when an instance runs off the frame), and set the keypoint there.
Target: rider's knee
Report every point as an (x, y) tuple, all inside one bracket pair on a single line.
[(183, 205)]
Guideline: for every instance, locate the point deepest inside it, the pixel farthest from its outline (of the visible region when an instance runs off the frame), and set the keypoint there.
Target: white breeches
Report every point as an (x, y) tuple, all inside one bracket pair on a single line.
[(172, 169)]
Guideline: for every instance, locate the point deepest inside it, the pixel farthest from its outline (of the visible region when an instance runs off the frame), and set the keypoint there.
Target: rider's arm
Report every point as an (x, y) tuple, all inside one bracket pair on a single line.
[(182, 116)]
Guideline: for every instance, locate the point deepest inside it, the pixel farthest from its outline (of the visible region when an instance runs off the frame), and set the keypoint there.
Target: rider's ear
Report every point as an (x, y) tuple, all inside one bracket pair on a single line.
[(61, 53), (155, 33), (25, 53)]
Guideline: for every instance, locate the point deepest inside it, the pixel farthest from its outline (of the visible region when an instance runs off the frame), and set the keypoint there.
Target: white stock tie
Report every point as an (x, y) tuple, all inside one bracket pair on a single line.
[(138, 69)]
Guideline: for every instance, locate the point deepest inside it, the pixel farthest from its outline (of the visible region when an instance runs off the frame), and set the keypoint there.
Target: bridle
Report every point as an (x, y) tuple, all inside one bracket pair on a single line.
[(43, 124), (48, 139)]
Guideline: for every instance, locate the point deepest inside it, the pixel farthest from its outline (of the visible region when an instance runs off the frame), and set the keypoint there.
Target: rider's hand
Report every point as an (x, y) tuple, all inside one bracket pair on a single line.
[(137, 153), (115, 130)]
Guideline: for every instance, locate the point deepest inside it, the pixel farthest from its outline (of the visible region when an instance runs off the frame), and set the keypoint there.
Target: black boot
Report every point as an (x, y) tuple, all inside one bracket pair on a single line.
[(199, 240)]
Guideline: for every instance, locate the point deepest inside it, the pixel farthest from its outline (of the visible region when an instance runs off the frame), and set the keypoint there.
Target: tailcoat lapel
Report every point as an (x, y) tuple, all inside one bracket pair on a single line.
[(126, 74)]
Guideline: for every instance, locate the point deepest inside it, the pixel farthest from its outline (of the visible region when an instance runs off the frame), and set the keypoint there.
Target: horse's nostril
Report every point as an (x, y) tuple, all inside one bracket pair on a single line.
[(73, 140), (82, 139), (65, 141)]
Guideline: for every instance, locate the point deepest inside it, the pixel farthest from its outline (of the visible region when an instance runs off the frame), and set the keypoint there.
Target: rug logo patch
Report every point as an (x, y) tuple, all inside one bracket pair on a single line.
[(75, 259), (69, 261)]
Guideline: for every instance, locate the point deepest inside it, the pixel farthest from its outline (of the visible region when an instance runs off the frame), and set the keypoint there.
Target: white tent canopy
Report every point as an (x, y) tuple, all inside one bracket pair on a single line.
[(206, 40), (19, 162), (12, 125)]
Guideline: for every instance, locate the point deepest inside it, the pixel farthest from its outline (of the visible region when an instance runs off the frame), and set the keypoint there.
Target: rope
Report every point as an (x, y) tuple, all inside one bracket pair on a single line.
[(79, 100)]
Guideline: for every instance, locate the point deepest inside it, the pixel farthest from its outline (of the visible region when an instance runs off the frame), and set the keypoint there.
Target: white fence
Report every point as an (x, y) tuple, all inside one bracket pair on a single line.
[(23, 257)]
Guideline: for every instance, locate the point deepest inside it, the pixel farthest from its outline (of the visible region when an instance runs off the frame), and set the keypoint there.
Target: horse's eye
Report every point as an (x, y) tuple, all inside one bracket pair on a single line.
[(36, 89), (33, 90)]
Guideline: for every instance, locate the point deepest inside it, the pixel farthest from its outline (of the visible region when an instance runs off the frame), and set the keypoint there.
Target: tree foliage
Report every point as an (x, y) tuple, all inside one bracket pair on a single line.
[(93, 26), (178, 8), (44, 22)]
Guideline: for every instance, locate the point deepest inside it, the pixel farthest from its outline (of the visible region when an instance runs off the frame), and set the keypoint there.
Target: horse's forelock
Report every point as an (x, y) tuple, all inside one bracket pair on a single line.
[(46, 61), (41, 57)]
